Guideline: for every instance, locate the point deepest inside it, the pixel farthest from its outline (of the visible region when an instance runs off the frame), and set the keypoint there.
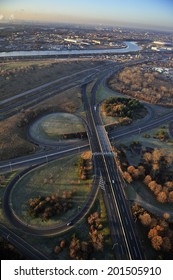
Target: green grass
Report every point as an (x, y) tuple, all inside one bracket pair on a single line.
[(54, 177)]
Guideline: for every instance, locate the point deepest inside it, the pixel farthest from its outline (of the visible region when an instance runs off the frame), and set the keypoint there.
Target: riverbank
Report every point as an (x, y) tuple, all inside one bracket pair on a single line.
[(130, 47)]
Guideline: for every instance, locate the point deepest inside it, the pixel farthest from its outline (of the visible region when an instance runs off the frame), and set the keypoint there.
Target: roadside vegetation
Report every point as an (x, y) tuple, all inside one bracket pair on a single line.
[(154, 170), (86, 165), (9, 252), (51, 205), (13, 141), (88, 240), (144, 83), (82, 250), (158, 231)]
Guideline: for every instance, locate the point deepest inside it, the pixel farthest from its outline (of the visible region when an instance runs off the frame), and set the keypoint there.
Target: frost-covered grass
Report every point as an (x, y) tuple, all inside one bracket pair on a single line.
[(54, 177)]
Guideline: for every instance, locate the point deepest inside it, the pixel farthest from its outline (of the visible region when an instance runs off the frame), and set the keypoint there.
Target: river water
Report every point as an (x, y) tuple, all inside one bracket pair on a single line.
[(131, 47)]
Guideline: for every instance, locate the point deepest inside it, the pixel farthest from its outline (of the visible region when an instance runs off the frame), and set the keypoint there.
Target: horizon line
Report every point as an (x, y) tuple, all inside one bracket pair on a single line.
[(118, 25)]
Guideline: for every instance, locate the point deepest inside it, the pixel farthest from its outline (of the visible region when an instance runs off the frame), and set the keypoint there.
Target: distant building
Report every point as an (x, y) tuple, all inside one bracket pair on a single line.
[(71, 40), (96, 42), (162, 43)]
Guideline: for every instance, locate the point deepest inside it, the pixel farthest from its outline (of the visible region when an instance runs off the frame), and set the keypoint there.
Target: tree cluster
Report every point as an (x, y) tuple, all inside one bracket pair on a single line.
[(28, 116), (79, 135), (147, 85), (58, 248), (86, 166), (82, 250), (123, 107), (153, 172), (159, 231), (95, 225), (46, 207), (162, 135)]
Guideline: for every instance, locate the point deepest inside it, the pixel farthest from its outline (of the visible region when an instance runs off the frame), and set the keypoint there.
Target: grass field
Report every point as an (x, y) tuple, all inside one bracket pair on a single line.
[(54, 177), (54, 126)]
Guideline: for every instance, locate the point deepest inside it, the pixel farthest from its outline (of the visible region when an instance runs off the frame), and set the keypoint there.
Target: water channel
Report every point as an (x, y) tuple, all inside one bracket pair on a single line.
[(130, 47)]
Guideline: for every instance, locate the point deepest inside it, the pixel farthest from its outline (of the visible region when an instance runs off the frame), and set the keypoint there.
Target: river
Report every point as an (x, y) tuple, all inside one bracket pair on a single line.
[(131, 47)]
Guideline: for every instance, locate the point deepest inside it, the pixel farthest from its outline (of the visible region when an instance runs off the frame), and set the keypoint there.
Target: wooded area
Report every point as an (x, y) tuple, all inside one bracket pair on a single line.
[(144, 83)]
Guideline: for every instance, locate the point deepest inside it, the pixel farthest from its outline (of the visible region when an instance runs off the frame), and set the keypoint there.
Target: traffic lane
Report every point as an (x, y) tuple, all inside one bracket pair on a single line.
[(48, 85), (111, 207), (44, 157), (100, 165), (116, 230), (126, 217), (139, 129)]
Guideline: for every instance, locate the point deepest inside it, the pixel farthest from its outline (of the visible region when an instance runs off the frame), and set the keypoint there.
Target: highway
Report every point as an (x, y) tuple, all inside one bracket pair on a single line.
[(107, 176), (30, 98), (120, 220), (139, 128), (40, 158), (33, 97)]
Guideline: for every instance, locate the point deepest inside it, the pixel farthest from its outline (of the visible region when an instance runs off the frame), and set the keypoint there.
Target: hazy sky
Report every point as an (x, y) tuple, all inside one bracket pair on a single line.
[(147, 13)]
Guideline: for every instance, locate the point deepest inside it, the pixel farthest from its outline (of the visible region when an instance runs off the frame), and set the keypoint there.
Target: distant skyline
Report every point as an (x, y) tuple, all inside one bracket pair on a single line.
[(154, 14)]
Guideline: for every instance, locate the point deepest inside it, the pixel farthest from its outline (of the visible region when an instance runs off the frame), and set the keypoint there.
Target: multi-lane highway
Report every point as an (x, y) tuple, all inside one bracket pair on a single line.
[(30, 98), (42, 157), (107, 175), (121, 222)]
